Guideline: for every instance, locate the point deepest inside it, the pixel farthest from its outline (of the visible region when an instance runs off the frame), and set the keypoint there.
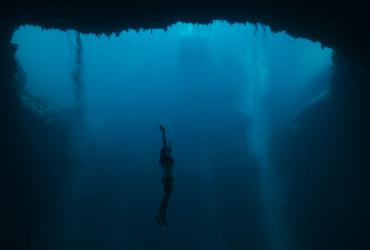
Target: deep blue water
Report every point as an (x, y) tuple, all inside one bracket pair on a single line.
[(221, 90)]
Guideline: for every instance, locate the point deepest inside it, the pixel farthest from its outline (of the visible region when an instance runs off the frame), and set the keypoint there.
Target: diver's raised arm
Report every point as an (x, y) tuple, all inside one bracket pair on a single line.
[(164, 139)]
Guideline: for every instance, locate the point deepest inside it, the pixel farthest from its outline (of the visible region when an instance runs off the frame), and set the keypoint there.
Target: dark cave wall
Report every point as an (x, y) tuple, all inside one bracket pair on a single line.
[(8, 100), (323, 160), (30, 196), (15, 197), (7, 147), (336, 24)]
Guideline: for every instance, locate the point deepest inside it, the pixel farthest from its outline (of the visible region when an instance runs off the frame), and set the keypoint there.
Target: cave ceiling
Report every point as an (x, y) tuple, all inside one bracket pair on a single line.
[(342, 26)]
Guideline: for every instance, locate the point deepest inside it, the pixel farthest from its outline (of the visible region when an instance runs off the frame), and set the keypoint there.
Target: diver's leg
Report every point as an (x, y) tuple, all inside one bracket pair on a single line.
[(163, 212), (162, 215), (166, 198), (159, 220)]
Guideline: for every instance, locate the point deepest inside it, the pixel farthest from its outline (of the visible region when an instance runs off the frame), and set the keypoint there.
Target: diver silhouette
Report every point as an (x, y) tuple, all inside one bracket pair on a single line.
[(166, 161)]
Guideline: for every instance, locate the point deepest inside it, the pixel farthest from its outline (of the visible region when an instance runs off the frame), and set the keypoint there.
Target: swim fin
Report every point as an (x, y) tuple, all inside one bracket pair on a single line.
[(159, 220)]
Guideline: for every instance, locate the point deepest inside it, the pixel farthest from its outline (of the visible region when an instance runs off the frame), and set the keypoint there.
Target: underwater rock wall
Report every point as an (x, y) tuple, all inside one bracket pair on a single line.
[(30, 197), (323, 160), (340, 25), (6, 122)]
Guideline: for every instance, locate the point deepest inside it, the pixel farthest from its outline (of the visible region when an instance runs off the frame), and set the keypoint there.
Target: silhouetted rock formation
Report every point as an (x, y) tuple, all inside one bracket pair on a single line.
[(323, 159)]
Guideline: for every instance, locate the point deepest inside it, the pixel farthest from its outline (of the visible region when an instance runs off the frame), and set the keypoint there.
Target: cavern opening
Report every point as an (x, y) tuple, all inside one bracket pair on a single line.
[(222, 91)]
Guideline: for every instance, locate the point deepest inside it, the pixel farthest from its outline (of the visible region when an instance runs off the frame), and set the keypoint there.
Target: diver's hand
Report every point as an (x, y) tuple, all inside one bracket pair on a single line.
[(161, 127)]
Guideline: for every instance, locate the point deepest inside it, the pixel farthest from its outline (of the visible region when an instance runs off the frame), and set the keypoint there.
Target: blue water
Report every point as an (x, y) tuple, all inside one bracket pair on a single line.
[(221, 90)]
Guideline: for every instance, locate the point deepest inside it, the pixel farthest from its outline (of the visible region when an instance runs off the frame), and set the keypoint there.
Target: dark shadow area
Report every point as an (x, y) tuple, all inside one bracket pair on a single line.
[(323, 158)]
